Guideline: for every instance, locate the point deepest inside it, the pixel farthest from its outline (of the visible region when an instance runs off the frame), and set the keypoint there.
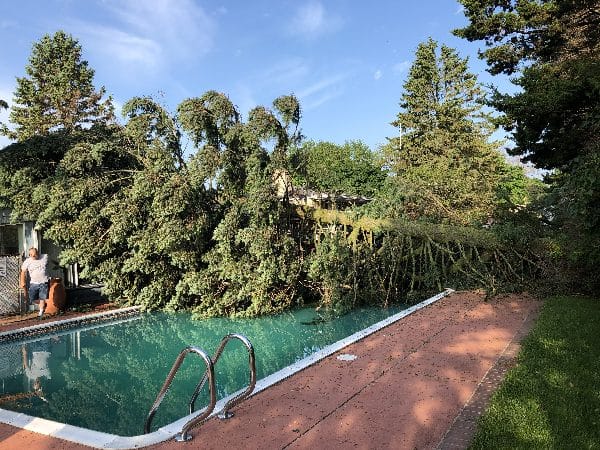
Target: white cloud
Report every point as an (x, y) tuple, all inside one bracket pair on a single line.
[(378, 74), (311, 21), (321, 92), (401, 66), (286, 71), (152, 32), (125, 47)]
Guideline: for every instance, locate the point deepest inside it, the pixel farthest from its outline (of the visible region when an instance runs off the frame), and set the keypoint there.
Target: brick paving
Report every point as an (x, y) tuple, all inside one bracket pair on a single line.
[(419, 383), (8, 323), (462, 430)]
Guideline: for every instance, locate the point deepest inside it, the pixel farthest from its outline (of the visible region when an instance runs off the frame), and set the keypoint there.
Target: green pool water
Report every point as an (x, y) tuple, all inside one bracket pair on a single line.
[(106, 378)]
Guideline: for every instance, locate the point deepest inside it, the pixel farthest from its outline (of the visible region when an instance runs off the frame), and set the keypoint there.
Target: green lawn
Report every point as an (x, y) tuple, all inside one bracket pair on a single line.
[(551, 400)]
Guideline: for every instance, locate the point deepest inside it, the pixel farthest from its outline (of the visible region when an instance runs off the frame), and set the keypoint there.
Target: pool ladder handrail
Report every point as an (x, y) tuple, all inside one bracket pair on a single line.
[(225, 413), (210, 373), (210, 376)]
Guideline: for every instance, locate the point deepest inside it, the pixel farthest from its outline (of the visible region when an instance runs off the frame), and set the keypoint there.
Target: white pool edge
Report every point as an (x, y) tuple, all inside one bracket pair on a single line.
[(100, 440)]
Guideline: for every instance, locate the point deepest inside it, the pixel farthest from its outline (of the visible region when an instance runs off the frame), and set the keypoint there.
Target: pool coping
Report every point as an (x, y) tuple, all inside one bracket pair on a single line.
[(21, 334), (101, 440)]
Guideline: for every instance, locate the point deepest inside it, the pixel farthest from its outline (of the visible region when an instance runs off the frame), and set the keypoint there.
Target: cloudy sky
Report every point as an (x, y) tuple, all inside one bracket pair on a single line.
[(346, 60)]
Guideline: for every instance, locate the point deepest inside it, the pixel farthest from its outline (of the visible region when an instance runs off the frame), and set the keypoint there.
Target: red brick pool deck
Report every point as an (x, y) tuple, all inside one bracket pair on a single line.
[(419, 383)]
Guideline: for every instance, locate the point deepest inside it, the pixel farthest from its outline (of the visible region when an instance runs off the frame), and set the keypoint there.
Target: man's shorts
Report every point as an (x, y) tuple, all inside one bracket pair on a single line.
[(38, 292)]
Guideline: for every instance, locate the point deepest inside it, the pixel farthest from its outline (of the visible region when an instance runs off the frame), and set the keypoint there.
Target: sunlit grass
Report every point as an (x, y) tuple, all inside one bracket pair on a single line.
[(551, 400)]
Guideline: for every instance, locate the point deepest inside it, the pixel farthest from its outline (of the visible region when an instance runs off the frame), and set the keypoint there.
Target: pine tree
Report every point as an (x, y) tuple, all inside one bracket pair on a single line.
[(553, 47), (443, 161), (58, 91), (55, 107)]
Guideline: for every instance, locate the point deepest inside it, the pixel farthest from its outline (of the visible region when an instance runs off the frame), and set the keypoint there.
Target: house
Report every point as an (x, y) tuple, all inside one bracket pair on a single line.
[(300, 196)]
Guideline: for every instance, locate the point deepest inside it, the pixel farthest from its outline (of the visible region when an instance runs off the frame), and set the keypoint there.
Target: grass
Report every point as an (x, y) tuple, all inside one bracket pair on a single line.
[(551, 399)]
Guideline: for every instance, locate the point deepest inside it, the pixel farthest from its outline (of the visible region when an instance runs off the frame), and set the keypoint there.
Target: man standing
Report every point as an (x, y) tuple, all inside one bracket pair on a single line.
[(37, 268)]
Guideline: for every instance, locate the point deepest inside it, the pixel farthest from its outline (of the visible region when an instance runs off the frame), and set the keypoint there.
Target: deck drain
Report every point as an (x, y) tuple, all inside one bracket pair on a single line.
[(346, 357)]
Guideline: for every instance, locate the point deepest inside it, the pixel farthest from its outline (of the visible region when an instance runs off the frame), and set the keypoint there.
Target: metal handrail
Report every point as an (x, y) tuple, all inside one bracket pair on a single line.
[(225, 413), (209, 373)]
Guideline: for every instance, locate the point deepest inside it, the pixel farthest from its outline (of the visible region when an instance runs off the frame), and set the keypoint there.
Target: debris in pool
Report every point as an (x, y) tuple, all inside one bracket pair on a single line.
[(346, 357), (315, 321)]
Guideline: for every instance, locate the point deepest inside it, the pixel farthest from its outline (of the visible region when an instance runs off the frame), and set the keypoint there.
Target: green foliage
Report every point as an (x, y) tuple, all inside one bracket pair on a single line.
[(214, 125), (207, 232), (361, 260), (445, 169), (26, 168), (555, 116), (518, 31), (127, 211), (332, 271), (340, 169), (57, 93), (254, 265), (54, 107), (515, 189)]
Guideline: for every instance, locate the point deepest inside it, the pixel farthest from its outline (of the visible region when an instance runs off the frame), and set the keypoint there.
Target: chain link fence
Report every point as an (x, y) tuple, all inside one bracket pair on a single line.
[(11, 297)]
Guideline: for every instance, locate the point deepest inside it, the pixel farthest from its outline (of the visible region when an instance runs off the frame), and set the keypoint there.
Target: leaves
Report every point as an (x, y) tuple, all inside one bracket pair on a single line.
[(350, 168), (555, 115)]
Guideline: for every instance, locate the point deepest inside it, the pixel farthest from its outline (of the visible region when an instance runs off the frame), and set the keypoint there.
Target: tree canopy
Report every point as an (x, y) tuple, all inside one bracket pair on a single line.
[(518, 32), (555, 117), (205, 229), (54, 107), (444, 164), (351, 168), (58, 92)]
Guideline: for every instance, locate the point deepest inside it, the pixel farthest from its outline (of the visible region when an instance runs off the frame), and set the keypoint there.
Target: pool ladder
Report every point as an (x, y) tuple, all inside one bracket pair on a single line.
[(209, 375)]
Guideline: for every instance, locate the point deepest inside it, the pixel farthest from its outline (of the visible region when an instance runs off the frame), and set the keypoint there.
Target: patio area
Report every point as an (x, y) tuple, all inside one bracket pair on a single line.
[(418, 383)]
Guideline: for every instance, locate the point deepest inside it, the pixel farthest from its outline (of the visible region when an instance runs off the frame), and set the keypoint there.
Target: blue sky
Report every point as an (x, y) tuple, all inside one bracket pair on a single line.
[(346, 60)]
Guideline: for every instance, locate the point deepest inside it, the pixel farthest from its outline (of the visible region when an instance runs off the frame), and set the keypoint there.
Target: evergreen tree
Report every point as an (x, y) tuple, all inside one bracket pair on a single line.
[(58, 91), (554, 46), (557, 45), (164, 231), (55, 107), (444, 165), (129, 211), (254, 265)]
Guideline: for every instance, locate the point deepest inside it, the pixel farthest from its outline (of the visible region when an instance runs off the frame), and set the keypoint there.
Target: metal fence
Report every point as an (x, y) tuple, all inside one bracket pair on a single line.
[(11, 297)]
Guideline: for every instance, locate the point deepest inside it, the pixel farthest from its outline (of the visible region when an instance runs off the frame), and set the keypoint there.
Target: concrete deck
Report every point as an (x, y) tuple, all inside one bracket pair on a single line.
[(417, 384)]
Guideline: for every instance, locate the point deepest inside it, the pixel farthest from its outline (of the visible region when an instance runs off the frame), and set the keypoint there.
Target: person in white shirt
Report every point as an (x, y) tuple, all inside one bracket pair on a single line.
[(36, 266)]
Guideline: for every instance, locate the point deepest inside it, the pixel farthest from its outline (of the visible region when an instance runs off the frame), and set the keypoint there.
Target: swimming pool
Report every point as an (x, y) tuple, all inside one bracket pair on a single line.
[(106, 378)]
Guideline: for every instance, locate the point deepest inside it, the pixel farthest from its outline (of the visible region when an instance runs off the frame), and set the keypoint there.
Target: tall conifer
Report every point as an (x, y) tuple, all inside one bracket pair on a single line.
[(58, 92), (445, 166)]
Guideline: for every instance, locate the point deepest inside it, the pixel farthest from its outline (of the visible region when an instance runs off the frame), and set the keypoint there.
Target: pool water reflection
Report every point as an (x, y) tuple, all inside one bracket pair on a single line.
[(106, 378)]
